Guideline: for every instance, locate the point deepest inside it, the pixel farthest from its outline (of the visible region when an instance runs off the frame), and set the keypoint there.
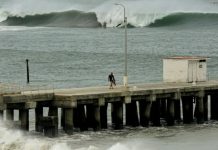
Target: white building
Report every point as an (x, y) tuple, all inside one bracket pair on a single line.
[(185, 69)]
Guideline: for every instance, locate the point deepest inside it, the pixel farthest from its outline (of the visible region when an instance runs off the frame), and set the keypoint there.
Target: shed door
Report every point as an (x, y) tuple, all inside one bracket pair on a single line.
[(192, 71)]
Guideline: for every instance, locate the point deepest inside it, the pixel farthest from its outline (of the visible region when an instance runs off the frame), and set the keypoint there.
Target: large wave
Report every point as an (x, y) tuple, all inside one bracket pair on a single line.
[(187, 19), (56, 19), (140, 13)]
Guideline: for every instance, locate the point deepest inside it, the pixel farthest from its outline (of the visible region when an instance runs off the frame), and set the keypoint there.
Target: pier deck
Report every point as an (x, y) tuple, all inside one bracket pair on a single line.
[(87, 107)]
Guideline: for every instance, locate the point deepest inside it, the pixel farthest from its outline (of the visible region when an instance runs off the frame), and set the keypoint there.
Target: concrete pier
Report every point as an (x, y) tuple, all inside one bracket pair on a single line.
[(87, 108)]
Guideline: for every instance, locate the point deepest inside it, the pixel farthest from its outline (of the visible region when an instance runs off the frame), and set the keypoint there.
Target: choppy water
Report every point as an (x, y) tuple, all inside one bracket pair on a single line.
[(79, 57)]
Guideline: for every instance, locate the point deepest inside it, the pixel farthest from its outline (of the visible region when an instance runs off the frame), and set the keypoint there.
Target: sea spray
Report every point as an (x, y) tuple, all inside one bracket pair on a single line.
[(16, 140)]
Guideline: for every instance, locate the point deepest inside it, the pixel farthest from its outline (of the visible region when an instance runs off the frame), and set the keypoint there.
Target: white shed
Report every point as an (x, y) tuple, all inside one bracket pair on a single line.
[(185, 69)]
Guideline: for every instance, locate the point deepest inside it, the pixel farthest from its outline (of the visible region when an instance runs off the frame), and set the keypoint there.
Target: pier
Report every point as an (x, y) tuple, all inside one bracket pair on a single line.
[(136, 105)]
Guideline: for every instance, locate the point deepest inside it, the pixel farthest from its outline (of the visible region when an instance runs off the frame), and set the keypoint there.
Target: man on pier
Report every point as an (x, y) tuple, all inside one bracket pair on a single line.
[(112, 80)]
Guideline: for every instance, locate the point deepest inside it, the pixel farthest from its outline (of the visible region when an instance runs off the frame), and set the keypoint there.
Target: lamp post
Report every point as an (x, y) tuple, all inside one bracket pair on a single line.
[(125, 77)]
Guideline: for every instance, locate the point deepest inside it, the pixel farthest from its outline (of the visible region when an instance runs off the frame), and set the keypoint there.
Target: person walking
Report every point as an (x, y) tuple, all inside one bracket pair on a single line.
[(112, 80)]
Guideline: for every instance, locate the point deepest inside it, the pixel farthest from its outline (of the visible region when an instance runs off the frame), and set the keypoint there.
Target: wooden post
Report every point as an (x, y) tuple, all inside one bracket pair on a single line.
[(27, 70)]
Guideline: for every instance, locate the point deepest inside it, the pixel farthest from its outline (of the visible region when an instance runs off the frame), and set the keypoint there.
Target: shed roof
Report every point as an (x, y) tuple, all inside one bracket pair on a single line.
[(188, 58)]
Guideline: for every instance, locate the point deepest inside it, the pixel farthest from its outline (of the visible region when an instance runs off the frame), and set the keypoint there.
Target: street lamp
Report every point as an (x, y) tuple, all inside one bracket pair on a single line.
[(125, 77)]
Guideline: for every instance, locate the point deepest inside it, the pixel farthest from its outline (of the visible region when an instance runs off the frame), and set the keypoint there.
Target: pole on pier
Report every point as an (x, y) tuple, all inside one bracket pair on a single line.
[(27, 70)]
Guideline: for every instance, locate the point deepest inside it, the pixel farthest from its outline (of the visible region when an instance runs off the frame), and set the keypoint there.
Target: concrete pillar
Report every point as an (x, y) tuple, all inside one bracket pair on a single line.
[(170, 112), (206, 108), (75, 118), (24, 118), (177, 110), (187, 103), (163, 108), (103, 116), (144, 111), (90, 115), (9, 114), (68, 116), (93, 116), (82, 118), (50, 126), (155, 113), (199, 110), (1, 114), (62, 117), (132, 114), (117, 115), (38, 115), (53, 111), (214, 106), (97, 118)]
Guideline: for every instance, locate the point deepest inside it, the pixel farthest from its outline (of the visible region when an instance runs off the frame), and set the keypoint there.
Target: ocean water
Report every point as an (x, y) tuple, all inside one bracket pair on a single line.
[(63, 54)]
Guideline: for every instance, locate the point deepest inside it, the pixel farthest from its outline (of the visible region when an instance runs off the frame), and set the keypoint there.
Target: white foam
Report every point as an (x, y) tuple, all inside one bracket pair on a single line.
[(143, 12), (16, 140)]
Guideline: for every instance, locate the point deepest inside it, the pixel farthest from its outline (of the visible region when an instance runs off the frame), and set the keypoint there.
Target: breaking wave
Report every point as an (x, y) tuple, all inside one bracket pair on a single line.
[(55, 19), (187, 19)]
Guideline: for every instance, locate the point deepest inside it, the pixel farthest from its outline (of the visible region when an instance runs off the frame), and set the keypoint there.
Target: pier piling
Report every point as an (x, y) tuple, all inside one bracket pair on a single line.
[(145, 109), (68, 120), (187, 103), (170, 112)]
